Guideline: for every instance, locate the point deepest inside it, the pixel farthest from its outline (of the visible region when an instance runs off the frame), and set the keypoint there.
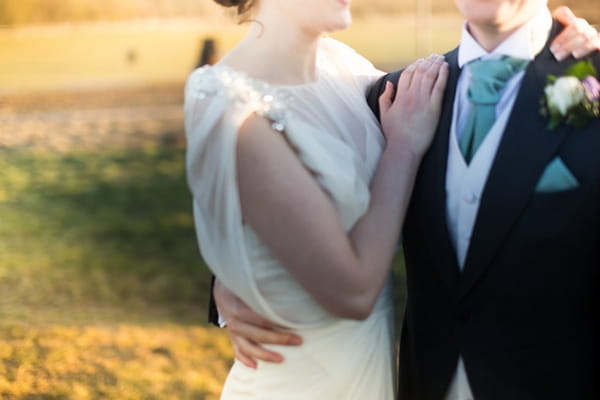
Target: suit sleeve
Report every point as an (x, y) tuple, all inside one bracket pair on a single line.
[(213, 313), (377, 89)]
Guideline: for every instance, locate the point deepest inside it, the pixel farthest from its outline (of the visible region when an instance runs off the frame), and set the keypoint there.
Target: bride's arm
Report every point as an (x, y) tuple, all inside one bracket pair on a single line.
[(297, 222), (296, 219)]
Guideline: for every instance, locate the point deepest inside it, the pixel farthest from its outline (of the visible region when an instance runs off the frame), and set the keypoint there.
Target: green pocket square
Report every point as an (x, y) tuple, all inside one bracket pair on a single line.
[(556, 178)]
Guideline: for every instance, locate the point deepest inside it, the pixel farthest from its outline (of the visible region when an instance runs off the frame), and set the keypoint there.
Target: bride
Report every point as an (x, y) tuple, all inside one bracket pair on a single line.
[(299, 199)]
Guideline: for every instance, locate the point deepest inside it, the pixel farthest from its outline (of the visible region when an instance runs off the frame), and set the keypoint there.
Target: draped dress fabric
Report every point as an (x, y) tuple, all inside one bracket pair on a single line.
[(333, 132)]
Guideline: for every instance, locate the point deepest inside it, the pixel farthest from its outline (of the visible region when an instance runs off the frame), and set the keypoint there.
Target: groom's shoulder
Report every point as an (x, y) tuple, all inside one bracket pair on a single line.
[(379, 86), (377, 89)]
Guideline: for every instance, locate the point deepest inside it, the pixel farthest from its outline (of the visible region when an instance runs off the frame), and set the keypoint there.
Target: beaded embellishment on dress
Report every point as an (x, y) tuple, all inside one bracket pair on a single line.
[(268, 101)]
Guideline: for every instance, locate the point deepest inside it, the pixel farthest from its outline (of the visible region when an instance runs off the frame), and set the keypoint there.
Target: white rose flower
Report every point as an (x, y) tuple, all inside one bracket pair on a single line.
[(566, 92)]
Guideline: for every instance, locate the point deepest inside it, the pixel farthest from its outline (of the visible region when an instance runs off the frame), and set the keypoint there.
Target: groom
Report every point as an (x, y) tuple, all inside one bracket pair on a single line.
[(502, 238)]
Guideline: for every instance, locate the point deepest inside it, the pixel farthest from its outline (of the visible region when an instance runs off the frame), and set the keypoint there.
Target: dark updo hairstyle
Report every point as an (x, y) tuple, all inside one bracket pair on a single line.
[(243, 6)]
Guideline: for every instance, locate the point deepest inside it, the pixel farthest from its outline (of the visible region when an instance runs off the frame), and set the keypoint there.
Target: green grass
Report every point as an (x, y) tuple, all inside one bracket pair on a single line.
[(117, 361), (103, 290), (99, 228)]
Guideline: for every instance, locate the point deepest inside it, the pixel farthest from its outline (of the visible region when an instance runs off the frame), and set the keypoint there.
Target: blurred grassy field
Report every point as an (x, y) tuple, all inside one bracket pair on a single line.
[(103, 291), (111, 361), (138, 53), (158, 51)]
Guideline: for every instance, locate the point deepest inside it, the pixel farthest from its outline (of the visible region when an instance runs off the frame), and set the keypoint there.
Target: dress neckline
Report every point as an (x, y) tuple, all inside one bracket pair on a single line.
[(264, 84)]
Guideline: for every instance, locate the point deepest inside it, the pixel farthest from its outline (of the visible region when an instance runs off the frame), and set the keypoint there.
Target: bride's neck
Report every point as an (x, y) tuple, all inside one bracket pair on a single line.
[(276, 52)]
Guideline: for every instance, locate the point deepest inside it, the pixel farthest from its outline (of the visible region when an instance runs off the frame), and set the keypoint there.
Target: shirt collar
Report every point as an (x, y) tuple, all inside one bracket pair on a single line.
[(525, 43)]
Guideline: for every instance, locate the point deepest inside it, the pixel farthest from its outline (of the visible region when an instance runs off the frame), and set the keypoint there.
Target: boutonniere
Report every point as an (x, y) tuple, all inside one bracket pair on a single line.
[(573, 98)]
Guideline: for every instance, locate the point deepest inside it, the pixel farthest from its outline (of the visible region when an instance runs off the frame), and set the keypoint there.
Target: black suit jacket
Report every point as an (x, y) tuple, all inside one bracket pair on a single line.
[(524, 313)]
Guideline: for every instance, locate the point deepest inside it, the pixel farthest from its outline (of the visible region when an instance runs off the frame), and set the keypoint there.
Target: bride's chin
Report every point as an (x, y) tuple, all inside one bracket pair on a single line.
[(331, 25), (343, 24)]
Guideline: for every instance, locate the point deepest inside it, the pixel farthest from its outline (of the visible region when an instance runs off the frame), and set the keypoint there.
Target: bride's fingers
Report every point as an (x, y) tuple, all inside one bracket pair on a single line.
[(430, 74), (385, 100), (439, 88), (406, 77), (416, 83)]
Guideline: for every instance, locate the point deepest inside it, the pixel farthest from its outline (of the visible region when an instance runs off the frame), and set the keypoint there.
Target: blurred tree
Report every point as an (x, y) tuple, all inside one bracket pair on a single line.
[(208, 52)]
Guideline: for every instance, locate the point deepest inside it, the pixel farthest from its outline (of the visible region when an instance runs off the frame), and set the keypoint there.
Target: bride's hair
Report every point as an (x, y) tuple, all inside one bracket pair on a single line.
[(243, 6)]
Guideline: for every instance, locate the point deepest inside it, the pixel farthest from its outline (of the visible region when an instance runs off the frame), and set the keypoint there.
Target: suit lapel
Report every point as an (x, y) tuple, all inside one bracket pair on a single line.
[(525, 150), (432, 179)]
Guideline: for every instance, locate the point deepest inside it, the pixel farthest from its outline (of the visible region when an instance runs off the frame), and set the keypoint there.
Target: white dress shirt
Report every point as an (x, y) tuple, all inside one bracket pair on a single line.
[(465, 183)]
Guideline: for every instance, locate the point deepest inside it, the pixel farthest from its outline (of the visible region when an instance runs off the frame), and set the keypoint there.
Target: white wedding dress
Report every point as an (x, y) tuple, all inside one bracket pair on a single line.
[(334, 133)]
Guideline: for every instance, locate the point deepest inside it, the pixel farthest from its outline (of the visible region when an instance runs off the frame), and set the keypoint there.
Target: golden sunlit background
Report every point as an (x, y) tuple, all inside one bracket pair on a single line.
[(102, 291)]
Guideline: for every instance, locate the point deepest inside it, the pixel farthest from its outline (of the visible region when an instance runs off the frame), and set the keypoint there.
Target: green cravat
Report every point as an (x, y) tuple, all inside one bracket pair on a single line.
[(488, 77)]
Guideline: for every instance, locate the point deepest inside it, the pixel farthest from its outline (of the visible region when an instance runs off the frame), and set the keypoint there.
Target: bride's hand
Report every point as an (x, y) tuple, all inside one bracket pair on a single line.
[(248, 331), (410, 118), (578, 38)]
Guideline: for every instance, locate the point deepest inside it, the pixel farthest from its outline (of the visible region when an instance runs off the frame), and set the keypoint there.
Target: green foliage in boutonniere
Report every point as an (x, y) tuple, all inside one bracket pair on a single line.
[(573, 98)]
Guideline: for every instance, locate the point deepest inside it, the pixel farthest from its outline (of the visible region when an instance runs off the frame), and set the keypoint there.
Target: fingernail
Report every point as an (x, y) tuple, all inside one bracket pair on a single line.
[(295, 340), (277, 359), (554, 48), (560, 55)]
